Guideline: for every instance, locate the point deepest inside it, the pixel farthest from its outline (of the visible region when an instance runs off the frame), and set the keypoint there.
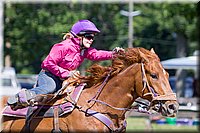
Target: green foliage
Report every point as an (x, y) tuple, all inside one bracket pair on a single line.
[(159, 25), (32, 29)]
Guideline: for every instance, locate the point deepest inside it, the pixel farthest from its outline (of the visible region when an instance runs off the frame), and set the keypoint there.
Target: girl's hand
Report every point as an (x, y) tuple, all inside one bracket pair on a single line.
[(73, 77), (117, 51)]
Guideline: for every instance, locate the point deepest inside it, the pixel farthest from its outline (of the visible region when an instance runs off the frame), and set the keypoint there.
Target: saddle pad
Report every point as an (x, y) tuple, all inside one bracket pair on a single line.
[(47, 110), (7, 111)]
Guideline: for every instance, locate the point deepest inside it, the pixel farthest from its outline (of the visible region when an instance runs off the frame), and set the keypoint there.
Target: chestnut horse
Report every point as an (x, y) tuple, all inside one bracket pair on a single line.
[(109, 94)]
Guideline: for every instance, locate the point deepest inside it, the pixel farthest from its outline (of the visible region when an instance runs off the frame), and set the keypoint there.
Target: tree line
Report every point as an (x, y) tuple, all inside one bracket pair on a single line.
[(30, 30)]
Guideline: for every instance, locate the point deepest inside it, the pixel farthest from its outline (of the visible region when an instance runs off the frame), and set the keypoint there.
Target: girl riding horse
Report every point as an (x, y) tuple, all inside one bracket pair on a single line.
[(63, 59)]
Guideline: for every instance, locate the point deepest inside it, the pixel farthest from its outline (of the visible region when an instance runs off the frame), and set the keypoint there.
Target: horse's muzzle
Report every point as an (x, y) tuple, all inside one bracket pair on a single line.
[(166, 108)]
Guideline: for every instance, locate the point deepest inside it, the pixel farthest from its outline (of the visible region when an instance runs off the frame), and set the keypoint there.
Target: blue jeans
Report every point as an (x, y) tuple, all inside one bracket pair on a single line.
[(47, 83)]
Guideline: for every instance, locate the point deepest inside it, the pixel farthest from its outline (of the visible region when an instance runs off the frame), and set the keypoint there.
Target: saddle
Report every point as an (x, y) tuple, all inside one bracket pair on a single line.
[(64, 101)]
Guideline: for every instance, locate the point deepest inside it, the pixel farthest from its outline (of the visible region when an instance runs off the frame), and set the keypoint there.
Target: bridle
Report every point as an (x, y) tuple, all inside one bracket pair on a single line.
[(155, 96), (151, 91)]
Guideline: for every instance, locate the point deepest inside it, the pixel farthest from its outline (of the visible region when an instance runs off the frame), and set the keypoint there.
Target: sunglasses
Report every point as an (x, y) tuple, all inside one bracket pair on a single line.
[(89, 36)]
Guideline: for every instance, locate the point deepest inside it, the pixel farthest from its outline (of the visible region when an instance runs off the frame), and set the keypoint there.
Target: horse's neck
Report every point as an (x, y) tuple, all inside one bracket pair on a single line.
[(119, 91)]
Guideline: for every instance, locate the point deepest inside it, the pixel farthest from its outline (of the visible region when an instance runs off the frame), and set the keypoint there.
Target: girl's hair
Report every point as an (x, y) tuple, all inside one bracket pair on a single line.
[(67, 35), (70, 35)]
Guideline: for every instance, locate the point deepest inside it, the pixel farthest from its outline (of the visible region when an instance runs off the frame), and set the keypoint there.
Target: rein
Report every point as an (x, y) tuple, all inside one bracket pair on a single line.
[(104, 103), (101, 87), (104, 119), (116, 108)]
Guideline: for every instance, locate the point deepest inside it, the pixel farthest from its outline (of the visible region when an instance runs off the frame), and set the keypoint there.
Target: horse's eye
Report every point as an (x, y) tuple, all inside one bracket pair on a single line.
[(154, 76)]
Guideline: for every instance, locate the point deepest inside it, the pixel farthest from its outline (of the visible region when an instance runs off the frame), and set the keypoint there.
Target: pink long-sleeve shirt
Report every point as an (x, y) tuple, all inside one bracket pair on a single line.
[(66, 56)]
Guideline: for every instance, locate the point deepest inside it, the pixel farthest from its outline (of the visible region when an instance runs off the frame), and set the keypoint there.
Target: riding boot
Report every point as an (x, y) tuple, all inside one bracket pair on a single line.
[(22, 98)]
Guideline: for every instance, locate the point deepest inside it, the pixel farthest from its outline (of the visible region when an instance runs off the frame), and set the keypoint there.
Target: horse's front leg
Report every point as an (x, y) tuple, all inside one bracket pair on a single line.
[(6, 124)]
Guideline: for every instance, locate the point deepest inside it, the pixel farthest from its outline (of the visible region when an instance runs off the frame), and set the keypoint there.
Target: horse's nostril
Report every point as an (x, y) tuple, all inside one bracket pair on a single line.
[(172, 106)]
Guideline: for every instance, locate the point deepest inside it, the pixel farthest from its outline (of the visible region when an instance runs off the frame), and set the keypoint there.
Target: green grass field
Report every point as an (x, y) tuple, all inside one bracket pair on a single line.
[(141, 124)]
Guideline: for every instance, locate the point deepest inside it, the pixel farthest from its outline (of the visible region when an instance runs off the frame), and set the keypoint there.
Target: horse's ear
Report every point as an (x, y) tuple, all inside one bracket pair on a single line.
[(152, 50), (143, 57)]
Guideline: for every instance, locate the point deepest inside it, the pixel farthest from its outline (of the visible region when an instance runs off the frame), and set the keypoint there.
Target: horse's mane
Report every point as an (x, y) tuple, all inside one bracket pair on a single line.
[(97, 73)]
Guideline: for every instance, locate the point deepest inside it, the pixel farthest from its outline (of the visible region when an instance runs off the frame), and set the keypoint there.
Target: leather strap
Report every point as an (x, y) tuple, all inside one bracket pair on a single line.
[(106, 121), (56, 120)]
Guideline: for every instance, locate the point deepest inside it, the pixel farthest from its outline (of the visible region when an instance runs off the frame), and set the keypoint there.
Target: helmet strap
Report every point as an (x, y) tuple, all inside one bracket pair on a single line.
[(81, 42), (80, 37), (73, 34), (83, 48)]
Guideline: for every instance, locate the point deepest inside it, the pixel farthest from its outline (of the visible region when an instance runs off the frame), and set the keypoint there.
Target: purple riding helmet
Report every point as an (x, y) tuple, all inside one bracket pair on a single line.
[(83, 26)]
